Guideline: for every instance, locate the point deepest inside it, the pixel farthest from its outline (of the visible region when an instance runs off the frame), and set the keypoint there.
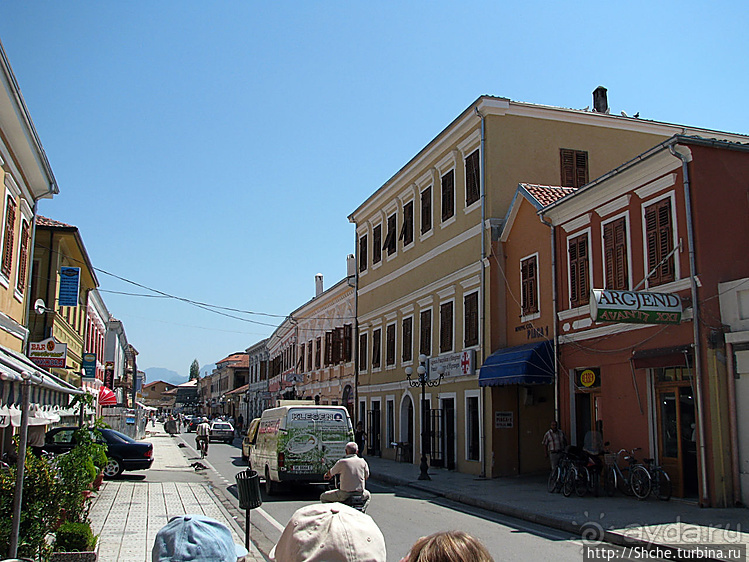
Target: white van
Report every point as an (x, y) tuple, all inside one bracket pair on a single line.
[(299, 443)]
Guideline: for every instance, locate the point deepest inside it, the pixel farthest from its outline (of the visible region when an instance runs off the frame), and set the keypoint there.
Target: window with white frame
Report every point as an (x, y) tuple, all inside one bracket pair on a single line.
[(8, 236), (471, 319), (659, 242), (363, 352), (577, 251), (363, 257), (615, 260), (376, 347), (426, 210), (425, 332), (473, 179), (407, 337), (473, 427), (390, 421), (407, 230), (377, 244), (446, 327), (390, 345), (529, 285), (448, 195)]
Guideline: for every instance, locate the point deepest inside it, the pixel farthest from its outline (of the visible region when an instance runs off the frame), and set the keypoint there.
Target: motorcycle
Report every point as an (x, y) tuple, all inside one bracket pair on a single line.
[(356, 500)]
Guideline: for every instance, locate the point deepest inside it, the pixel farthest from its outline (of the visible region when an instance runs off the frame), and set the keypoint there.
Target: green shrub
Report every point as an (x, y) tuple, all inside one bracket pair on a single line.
[(74, 537), (76, 472)]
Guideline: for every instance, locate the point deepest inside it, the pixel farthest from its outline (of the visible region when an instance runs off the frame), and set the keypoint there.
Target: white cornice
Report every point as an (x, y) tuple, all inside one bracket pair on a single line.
[(613, 206), (579, 222), (656, 186)]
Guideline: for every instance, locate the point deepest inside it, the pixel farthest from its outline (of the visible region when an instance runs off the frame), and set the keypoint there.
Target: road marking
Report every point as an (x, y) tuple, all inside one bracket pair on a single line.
[(269, 518)]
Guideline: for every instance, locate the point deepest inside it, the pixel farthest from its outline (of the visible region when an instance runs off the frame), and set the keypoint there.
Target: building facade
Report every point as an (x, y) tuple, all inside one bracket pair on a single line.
[(258, 397)]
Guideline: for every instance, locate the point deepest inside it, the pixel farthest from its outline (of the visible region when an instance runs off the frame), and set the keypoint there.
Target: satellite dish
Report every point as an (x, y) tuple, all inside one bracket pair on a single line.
[(40, 307)]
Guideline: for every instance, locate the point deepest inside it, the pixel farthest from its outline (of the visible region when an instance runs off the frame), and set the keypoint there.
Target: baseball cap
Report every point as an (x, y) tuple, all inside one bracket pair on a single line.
[(195, 538), (330, 532)]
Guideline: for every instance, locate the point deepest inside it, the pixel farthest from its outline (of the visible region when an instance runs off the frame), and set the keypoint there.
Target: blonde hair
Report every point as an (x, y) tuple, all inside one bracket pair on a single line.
[(448, 546)]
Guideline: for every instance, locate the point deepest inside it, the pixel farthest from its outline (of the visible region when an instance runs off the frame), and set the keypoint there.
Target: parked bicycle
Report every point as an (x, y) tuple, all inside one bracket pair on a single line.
[(584, 473), (557, 476), (660, 482), (633, 479)]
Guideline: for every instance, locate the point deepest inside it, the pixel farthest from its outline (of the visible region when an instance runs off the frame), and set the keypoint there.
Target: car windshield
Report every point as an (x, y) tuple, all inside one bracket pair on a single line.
[(113, 436)]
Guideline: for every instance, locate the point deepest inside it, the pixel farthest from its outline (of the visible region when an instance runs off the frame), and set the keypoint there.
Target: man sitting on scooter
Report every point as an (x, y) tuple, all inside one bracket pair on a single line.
[(353, 472)]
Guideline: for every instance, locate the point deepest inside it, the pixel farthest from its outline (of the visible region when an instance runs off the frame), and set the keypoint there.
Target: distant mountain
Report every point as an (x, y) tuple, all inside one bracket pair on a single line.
[(167, 375), (207, 369)]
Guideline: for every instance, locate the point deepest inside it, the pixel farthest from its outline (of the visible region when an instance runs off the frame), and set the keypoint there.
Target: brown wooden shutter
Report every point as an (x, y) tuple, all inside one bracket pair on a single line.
[(407, 230), (448, 195), (425, 341), (363, 253), (579, 289), (377, 244), (581, 168), (10, 224), (529, 288), (567, 158), (446, 327), (328, 348), (426, 210), (615, 254), (390, 345), (659, 237), (23, 257), (376, 335), (310, 365), (472, 178), (407, 339), (471, 320), (363, 352), (348, 331)]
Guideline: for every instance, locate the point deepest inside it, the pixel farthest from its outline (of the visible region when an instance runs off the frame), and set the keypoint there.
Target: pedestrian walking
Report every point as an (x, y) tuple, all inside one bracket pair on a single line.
[(554, 442), (360, 436)]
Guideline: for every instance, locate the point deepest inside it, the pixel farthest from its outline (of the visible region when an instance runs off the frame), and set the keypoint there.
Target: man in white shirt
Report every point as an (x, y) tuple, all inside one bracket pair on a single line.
[(353, 472), (202, 432)]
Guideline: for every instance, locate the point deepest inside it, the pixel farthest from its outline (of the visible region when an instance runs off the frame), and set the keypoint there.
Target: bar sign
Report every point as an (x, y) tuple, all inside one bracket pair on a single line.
[(70, 279)]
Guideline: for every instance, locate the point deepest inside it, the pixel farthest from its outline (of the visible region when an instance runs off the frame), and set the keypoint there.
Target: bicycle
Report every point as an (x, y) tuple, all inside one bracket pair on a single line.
[(202, 442), (631, 480), (575, 474), (659, 479)]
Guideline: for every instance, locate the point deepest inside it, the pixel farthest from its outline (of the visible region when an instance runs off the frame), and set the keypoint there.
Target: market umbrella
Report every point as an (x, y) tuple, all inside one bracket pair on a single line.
[(107, 397)]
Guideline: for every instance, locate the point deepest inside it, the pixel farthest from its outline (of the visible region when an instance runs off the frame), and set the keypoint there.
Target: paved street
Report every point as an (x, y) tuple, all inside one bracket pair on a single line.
[(129, 511)]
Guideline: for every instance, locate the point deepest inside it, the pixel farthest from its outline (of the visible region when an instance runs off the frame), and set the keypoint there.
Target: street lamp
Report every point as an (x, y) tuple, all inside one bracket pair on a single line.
[(423, 382)]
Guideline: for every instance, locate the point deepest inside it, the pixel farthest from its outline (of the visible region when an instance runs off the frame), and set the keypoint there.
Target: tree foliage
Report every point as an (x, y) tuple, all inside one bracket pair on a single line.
[(194, 370)]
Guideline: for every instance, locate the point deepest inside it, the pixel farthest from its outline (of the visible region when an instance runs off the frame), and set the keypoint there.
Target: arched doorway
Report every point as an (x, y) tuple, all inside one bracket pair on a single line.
[(407, 426)]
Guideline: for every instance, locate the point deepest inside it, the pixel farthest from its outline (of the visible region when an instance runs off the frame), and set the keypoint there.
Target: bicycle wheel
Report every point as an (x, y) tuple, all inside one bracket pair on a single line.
[(640, 482), (553, 483), (569, 481), (582, 477), (661, 484), (624, 483), (609, 482)]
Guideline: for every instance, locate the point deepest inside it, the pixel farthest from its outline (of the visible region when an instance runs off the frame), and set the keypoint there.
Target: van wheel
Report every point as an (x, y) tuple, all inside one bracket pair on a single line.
[(270, 487)]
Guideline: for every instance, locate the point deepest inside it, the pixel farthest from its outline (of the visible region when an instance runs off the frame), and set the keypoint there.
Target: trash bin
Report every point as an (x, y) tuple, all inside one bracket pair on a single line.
[(248, 486)]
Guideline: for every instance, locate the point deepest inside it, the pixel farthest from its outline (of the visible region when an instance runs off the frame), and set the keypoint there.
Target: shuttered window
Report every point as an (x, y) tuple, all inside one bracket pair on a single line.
[(318, 353), (446, 327), (448, 195), (310, 365), (529, 288), (579, 282), (425, 333), (376, 337), (407, 354), (574, 167), (363, 253), (328, 348), (377, 244), (23, 257), (390, 345), (472, 178), (389, 244), (407, 230), (615, 255), (348, 332), (8, 236), (471, 319), (363, 352), (302, 356), (660, 242), (426, 210)]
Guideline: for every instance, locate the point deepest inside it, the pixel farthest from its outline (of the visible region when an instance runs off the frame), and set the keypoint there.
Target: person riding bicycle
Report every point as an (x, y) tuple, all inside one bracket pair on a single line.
[(353, 471), (201, 434)]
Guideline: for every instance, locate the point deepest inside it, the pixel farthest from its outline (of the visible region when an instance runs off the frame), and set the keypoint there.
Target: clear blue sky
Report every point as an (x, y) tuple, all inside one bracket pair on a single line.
[(213, 150)]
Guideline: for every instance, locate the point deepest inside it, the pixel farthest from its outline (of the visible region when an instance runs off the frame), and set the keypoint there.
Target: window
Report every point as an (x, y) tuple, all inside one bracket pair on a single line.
[(390, 421), (425, 341), (529, 286), (309, 355), (471, 319), (472, 178), (10, 225), (318, 352), (389, 244), (390, 344), (377, 244), (348, 335), (328, 348), (446, 327), (448, 195), (407, 339), (473, 448), (407, 230), (426, 210), (660, 241), (615, 254), (376, 337), (574, 167), (302, 355), (362, 352), (579, 282), (363, 253), (23, 257)]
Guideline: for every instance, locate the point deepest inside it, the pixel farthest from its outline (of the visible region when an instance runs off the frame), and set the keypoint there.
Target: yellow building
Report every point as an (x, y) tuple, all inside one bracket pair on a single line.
[(429, 283), (58, 245)]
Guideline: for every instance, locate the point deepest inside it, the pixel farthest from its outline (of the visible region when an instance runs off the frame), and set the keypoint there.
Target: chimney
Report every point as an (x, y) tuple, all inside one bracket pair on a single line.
[(318, 285), (600, 101)]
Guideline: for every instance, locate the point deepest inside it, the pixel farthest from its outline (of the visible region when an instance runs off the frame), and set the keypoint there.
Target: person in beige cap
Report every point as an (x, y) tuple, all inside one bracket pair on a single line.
[(330, 532)]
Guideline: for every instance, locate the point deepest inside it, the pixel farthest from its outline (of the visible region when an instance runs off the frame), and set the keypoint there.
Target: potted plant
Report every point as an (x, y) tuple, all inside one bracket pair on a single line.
[(75, 542)]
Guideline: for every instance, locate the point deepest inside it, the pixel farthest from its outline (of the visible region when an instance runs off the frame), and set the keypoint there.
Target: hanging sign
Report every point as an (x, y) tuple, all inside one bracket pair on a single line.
[(588, 378), (70, 279), (89, 366), (634, 307), (48, 353)]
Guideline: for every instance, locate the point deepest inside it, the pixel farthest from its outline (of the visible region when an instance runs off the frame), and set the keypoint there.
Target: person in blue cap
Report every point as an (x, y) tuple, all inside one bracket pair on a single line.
[(195, 538)]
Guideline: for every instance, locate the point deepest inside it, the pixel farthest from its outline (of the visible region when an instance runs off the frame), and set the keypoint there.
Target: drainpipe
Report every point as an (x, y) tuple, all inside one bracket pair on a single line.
[(695, 321), (554, 311), (482, 309)]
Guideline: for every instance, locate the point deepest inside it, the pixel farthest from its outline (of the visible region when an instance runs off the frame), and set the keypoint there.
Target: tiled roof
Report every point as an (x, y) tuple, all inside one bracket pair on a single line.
[(236, 360), (240, 390), (547, 194), (44, 221)]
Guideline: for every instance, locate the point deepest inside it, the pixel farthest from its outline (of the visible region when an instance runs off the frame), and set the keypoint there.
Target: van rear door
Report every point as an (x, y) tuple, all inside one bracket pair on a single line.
[(317, 438)]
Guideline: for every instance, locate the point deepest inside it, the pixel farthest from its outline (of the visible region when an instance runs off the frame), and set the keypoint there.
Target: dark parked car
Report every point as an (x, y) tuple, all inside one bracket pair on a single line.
[(123, 452), (192, 424)]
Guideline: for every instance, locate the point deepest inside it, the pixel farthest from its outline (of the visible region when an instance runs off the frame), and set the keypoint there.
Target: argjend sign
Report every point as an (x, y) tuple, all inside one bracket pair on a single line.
[(634, 307)]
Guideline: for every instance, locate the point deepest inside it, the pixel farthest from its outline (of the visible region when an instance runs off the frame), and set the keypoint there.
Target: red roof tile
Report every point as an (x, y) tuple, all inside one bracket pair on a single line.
[(44, 221), (547, 194)]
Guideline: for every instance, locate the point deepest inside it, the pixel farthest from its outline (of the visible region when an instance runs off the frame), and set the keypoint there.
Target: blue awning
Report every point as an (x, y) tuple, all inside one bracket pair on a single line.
[(532, 363)]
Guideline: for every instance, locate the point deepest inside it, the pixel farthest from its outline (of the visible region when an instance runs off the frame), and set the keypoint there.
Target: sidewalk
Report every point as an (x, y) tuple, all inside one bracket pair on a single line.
[(128, 512), (618, 520)]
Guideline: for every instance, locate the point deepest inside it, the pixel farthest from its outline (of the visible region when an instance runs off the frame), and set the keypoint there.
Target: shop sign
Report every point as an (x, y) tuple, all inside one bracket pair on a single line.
[(504, 420), (634, 307), (588, 378), (453, 364), (70, 280), (89, 366), (48, 353)]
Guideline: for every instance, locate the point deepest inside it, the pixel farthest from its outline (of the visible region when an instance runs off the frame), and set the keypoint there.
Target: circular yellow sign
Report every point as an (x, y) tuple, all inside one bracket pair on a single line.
[(587, 378)]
